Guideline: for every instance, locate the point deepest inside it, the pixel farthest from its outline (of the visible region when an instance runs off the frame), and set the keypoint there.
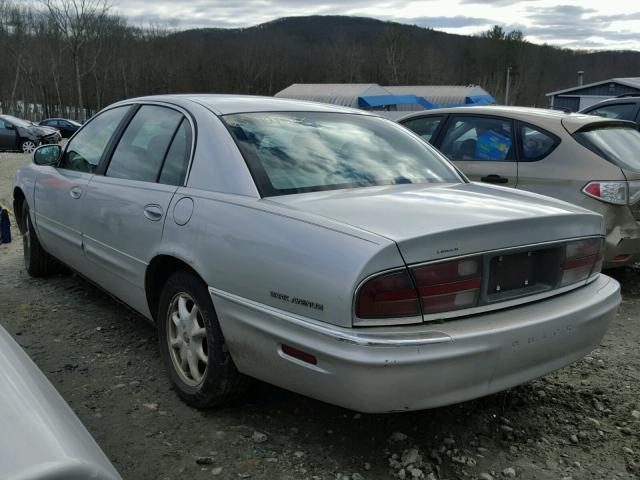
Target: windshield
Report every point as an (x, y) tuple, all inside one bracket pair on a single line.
[(619, 145), (293, 152), (16, 121)]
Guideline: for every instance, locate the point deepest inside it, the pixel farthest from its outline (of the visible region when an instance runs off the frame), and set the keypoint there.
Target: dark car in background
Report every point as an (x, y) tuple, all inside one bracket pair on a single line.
[(626, 107), (65, 126), (18, 134)]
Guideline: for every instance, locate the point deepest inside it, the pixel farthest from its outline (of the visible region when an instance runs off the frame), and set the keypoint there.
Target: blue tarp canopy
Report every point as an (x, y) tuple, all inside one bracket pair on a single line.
[(385, 100), (479, 100)]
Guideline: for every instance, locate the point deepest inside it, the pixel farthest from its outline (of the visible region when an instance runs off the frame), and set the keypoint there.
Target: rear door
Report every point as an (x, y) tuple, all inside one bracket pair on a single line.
[(127, 205), (60, 192), (483, 147), (8, 136)]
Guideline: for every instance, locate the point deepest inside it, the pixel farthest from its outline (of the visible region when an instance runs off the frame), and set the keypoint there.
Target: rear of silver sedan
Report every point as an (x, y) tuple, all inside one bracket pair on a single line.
[(488, 287), (383, 369), (435, 333)]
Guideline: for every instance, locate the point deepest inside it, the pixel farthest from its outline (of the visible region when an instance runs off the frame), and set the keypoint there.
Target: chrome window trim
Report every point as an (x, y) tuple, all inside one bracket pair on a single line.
[(370, 322)]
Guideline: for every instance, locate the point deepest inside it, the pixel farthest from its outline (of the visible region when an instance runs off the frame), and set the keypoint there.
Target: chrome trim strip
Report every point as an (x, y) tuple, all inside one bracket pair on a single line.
[(404, 338), (368, 322)]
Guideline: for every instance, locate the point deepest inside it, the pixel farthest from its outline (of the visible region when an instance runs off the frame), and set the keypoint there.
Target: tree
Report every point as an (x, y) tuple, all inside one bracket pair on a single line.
[(498, 33), (81, 24)]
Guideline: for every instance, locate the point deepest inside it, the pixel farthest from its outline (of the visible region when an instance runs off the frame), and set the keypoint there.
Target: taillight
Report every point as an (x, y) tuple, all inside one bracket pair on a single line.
[(449, 285), (609, 192), (388, 296), (583, 258)]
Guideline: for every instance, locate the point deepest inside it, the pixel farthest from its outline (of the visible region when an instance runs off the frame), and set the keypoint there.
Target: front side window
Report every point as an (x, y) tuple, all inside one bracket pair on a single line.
[(477, 138), (144, 144), (622, 111), (617, 144), (84, 152), (293, 152), (425, 127), (536, 143)]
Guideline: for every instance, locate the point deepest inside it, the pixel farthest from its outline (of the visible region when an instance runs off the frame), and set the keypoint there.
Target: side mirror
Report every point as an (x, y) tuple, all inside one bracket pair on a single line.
[(47, 155), (8, 126)]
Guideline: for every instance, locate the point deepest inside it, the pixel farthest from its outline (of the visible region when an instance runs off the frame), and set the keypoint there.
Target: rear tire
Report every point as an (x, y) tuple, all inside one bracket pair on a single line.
[(37, 262), (193, 347)]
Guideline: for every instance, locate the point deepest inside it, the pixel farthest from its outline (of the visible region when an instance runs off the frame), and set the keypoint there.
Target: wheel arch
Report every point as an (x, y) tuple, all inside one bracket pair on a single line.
[(19, 199), (160, 268)]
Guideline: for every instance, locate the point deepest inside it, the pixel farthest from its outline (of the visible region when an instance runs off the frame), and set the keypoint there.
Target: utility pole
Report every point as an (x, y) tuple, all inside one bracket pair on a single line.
[(506, 91)]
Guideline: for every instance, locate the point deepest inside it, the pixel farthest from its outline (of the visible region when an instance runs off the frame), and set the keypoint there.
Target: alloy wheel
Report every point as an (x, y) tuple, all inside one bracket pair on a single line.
[(28, 146), (187, 339)]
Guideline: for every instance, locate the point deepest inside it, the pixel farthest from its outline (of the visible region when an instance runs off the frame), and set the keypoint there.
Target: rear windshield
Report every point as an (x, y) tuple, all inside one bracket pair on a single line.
[(293, 152), (619, 145)]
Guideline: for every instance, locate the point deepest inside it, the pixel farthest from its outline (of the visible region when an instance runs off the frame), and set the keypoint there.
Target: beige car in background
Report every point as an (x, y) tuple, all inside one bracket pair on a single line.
[(589, 161)]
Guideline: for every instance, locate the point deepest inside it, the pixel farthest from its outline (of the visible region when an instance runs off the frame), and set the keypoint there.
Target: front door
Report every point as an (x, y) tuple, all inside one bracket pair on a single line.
[(127, 206), (482, 147), (60, 192)]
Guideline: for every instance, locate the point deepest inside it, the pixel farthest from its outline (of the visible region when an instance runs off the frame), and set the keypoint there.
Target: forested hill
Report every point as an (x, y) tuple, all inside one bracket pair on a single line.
[(268, 57), (119, 60)]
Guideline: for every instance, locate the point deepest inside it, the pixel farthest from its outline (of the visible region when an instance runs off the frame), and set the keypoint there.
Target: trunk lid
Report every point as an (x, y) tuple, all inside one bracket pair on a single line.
[(430, 222)]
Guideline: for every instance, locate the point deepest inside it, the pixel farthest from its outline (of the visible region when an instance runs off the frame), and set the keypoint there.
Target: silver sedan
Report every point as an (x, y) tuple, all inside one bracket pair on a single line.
[(318, 248)]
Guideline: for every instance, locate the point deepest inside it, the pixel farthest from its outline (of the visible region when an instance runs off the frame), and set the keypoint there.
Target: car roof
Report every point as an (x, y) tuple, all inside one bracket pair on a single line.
[(541, 116), (608, 101), (222, 104)]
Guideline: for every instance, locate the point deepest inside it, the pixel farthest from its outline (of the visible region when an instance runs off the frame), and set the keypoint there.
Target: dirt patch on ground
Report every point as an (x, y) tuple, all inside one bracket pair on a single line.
[(581, 422)]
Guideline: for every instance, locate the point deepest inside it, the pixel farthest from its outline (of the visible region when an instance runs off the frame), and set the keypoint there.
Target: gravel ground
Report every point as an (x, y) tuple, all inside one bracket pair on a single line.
[(580, 422)]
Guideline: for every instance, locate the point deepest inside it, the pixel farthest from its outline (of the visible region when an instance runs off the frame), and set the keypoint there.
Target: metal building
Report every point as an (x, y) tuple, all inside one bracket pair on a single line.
[(445, 95), (583, 96), (367, 96)]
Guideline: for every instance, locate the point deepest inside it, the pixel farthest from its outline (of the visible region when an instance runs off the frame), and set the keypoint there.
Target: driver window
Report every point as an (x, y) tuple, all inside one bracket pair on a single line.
[(84, 152), (479, 139)]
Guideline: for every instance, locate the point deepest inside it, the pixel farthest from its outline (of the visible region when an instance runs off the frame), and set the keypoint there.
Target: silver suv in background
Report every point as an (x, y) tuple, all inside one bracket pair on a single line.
[(586, 160)]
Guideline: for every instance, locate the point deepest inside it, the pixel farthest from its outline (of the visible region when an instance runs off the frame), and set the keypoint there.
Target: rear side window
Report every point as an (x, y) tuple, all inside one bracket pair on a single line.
[(84, 152), (536, 143), (479, 139), (144, 144), (622, 111), (425, 127), (175, 165), (619, 145)]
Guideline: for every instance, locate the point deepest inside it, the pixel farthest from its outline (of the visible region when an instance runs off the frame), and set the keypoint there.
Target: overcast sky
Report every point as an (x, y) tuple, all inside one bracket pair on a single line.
[(592, 24)]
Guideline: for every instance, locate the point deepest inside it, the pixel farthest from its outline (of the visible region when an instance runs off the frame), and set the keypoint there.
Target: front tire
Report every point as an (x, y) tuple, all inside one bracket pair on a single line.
[(27, 146), (193, 347), (37, 262)]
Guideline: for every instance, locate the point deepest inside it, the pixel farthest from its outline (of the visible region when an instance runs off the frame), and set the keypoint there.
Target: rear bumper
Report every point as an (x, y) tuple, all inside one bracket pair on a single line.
[(622, 241), (422, 366)]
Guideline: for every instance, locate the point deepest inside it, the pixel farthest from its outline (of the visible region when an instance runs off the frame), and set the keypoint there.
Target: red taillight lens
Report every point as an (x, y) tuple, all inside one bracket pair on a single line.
[(388, 296), (583, 258), (449, 285), (610, 192)]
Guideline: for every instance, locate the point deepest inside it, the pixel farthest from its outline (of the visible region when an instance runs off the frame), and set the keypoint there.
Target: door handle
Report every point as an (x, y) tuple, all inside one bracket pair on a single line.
[(153, 212), (75, 192), (493, 178)]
